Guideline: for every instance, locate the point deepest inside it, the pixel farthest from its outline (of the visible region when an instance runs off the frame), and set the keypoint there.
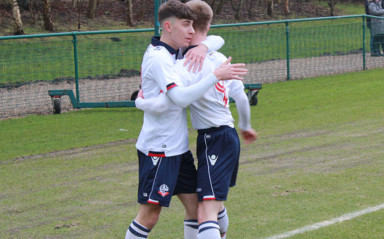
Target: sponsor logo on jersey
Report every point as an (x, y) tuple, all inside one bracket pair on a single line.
[(155, 159), (213, 159), (163, 190)]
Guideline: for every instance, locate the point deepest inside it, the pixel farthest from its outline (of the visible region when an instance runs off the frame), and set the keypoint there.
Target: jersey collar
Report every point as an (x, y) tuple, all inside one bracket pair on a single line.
[(155, 41)]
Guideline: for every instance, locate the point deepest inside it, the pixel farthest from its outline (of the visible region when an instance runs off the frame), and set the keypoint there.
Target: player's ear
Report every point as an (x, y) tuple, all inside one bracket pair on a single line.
[(167, 26)]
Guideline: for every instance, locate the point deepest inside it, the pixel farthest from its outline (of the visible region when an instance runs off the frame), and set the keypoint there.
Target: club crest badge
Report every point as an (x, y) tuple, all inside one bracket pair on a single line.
[(163, 190), (213, 159)]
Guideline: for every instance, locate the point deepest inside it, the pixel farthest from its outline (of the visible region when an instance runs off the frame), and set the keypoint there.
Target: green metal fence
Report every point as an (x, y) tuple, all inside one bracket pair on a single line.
[(103, 67)]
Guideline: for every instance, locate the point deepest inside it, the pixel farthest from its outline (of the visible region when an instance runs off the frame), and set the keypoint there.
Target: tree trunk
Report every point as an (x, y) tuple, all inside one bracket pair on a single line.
[(17, 17), (129, 13), (32, 7), (140, 14), (251, 8), (219, 7), (74, 3), (79, 9), (332, 4), (47, 16), (237, 9), (212, 4), (270, 8), (91, 9), (298, 4), (286, 7)]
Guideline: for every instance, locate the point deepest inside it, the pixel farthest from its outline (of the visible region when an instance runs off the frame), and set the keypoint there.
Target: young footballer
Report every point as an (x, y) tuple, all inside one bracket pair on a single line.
[(218, 146), (166, 166)]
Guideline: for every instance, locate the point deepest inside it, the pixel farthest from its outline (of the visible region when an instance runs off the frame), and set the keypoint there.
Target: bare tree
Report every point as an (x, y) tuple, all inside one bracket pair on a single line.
[(129, 13), (74, 3), (270, 4), (79, 8), (219, 7), (237, 9), (299, 6), (140, 12), (32, 7), (91, 9), (17, 18), (212, 3), (47, 16), (286, 7), (251, 8), (332, 4)]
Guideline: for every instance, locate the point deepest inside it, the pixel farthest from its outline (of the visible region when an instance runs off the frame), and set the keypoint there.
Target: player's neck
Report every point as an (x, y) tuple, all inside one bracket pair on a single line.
[(168, 40), (198, 37)]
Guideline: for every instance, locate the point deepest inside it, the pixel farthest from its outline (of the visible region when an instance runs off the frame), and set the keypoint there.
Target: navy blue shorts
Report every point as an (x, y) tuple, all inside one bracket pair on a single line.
[(162, 177), (218, 152)]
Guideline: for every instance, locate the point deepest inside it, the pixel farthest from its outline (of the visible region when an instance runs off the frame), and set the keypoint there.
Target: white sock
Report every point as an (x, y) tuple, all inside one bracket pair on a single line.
[(136, 231), (191, 228), (209, 230), (223, 221)]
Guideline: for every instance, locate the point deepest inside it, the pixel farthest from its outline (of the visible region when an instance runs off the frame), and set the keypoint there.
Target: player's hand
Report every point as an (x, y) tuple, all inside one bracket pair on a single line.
[(195, 57), (227, 71), (249, 136), (140, 94)]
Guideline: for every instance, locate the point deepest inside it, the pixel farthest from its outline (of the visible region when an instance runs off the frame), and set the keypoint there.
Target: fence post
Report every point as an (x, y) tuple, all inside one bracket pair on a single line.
[(364, 62), (76, 61), (157, 24), (287, 47)]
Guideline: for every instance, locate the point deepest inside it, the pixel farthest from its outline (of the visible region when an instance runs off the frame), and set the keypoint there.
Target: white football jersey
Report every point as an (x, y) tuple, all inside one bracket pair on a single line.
[(212, 110), (168, 132)]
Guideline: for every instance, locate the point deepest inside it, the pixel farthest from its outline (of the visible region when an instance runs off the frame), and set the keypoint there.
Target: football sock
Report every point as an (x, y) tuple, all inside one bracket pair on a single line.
[(191, 228), (223, 221), (136, 231), (209, 230)]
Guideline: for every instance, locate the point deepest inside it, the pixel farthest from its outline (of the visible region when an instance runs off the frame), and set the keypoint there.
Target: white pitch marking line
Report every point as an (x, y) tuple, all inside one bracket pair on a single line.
[(325, 223)]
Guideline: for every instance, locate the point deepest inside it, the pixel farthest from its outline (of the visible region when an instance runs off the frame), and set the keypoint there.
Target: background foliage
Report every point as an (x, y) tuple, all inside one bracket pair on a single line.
[(113, 14)]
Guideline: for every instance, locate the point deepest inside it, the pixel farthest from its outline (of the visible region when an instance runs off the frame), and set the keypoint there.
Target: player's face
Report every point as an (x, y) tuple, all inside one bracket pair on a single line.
[(182, 32)]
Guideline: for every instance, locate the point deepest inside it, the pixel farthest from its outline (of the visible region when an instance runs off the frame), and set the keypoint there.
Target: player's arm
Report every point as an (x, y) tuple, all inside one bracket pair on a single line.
[(374, 11), (237, 93), (195, 56), (184, 96), (156, 105)]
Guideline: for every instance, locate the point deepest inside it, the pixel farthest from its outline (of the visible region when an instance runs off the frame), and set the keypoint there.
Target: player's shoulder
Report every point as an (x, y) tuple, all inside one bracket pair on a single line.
[(158, 52), (157, 56), (217, 56)]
